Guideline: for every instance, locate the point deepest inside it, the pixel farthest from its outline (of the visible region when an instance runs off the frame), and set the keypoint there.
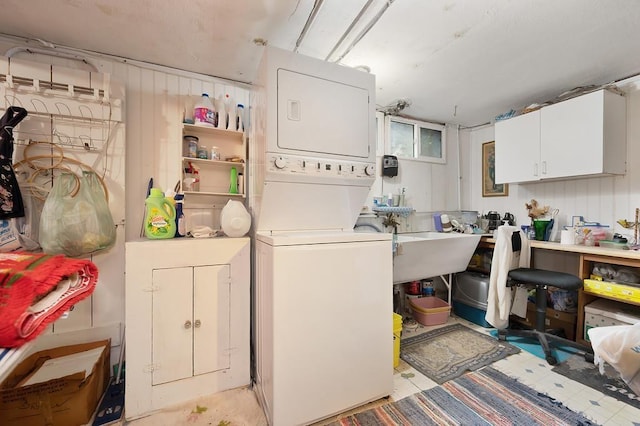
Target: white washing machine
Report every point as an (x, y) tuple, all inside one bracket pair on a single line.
[(324, 323)]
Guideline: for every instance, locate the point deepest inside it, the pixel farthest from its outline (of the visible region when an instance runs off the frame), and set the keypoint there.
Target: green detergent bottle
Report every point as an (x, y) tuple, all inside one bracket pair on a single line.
[(160, 221), (233, 181)]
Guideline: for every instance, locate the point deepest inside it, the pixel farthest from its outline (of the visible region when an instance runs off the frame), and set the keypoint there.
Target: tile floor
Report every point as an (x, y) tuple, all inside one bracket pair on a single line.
[(239, 407)]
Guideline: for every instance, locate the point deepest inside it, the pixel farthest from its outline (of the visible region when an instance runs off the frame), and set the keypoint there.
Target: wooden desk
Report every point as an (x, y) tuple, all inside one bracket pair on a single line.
[(587, 256)]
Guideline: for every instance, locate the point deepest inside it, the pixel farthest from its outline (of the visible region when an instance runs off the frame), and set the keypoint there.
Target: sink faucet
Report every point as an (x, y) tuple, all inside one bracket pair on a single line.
[(367, 225), (390, 221)]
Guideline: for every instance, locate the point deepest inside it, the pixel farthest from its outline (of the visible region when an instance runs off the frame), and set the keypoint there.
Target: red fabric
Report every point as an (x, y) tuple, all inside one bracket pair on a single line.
[(27, 277)]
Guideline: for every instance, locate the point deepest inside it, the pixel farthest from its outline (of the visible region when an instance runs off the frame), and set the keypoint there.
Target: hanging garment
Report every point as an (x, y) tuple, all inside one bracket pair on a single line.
[(504, 259), (10, 197)]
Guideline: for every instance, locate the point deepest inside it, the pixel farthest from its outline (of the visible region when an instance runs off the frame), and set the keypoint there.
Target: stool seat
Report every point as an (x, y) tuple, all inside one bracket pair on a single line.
[(539, 277)]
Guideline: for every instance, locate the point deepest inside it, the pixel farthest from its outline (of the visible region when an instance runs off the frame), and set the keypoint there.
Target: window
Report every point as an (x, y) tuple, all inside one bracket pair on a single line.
[(416, 139)]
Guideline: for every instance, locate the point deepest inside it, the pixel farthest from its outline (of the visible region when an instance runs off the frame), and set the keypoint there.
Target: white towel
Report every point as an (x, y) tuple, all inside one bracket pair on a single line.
[(500, 296)]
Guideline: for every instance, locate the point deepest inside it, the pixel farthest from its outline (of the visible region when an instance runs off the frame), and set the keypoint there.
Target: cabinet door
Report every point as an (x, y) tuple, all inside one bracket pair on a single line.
[(572, 137), (172, 325), (518, 148), (212, 289)]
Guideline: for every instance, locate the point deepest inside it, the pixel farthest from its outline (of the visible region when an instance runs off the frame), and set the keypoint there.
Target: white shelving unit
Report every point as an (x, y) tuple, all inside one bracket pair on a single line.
[(214, 175)]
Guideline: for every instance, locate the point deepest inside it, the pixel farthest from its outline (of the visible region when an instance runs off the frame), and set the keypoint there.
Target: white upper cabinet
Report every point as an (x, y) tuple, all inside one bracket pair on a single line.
[(580, 137), (584, 136), (518, 148)]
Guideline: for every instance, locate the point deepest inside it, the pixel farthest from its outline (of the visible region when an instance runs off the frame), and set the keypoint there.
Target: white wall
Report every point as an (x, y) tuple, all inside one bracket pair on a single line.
[(598, 199)]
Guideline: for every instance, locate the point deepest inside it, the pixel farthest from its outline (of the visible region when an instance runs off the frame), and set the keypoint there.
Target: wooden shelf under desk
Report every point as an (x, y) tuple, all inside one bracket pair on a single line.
[(587, 256)]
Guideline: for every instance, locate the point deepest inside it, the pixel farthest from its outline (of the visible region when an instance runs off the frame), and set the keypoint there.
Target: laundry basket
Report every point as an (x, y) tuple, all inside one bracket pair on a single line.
[(430, 310)]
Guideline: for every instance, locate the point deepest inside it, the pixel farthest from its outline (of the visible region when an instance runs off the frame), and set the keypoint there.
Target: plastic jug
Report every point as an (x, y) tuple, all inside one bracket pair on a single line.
[(160, 221), (203, 112), (221, 122), (235, 220)]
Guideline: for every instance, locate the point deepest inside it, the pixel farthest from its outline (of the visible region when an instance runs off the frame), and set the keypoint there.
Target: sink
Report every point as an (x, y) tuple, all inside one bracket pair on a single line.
[(429, 254)]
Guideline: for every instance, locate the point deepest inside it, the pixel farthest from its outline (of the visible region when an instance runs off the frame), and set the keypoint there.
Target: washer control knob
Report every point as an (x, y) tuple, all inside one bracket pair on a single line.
[(370, 170), (280, 163)]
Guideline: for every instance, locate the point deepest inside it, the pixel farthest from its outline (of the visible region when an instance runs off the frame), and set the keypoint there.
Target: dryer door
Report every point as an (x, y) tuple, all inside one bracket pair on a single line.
[(317, 115)]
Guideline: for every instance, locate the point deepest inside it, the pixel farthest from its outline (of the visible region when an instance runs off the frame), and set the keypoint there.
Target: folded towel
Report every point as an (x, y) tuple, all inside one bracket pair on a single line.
[(36, 289)]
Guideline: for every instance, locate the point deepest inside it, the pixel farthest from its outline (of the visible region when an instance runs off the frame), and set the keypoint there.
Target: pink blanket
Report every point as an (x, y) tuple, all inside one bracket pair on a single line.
[(36, 289)]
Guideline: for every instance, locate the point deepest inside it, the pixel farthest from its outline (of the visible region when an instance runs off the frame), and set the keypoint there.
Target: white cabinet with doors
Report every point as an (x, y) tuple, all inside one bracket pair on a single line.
[(187, 320), (580, 137)]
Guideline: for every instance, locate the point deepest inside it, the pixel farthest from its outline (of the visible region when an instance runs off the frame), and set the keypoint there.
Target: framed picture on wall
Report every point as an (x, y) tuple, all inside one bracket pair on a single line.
[(489, 186)]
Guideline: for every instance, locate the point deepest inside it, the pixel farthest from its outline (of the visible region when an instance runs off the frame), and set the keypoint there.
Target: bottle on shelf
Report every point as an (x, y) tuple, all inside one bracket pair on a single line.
[(240, 112), (231, 109), (233, 181), (204, 112), (240, 183), (215, 153), (202, 152), (190, 146), (180, 222), (221, 112), (160, 221)]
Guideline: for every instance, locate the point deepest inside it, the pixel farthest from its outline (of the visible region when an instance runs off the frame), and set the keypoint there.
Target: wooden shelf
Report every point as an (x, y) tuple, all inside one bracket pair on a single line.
[(192, 128), (217, 194), (213, 162)]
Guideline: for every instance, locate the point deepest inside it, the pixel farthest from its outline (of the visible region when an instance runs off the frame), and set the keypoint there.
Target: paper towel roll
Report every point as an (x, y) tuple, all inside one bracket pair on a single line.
[(567, 236)]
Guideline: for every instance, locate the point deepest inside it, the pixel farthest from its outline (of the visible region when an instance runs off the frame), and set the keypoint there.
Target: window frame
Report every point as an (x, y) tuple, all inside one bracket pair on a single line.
[(417, 125)]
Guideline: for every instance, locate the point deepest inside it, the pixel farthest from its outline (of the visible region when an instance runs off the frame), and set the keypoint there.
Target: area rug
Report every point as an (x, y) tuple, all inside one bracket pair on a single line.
[(447, 352), (485, 397), (576, 368)]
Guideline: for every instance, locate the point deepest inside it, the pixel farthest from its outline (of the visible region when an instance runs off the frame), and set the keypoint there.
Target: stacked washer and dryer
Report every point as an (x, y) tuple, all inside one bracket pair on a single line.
[(322, 293)]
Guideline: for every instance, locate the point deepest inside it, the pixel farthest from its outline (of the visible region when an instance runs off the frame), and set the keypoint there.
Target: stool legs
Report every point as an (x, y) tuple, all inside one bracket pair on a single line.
[(541, 308)]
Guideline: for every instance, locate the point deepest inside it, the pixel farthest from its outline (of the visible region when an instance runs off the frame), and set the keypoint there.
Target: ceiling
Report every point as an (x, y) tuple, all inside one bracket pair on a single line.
[(454, 61)]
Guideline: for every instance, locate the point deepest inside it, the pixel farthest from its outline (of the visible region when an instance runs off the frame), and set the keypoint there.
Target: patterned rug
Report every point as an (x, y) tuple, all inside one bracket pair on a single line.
[(447, 352), (576, 368), (485, 397)]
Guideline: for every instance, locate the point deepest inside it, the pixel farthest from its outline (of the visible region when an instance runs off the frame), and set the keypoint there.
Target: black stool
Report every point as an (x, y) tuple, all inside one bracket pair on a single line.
[(541, 279)]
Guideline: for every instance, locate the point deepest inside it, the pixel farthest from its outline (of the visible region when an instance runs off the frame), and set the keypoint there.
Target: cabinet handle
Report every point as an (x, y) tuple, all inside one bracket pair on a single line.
[(187, 324), (197, 324), (544, 167)]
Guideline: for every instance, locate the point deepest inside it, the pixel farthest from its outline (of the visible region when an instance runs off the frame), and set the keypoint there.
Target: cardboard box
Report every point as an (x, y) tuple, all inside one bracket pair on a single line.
[(554, 320), (604, 313), (69, 400)]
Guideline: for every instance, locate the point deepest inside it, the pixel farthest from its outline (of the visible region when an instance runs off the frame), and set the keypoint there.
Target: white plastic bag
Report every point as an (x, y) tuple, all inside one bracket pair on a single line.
[(618, 346)]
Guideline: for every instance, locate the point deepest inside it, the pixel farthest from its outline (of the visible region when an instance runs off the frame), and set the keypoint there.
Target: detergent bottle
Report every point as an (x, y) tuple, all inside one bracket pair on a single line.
[(233, 181), (160, 221), (204, 112)]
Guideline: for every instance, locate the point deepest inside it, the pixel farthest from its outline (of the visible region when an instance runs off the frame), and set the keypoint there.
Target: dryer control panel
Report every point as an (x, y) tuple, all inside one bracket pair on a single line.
[(290, 168)]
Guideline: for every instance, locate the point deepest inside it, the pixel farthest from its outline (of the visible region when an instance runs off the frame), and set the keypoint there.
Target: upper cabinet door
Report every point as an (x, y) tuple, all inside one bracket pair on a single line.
[(584, 136), (518, 148)]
